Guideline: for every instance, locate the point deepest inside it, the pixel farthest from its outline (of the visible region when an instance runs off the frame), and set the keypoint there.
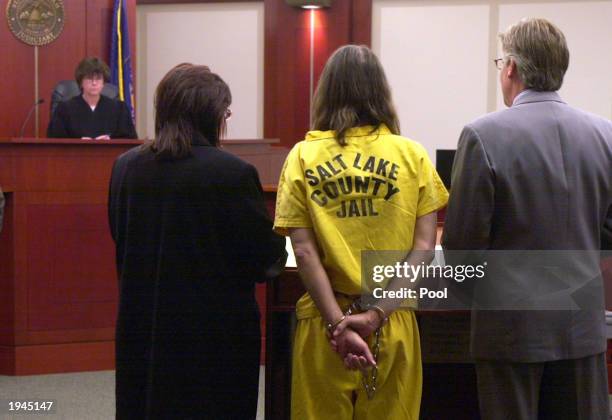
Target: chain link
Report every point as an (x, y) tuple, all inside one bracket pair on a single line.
[(369, 381), (369, 384)]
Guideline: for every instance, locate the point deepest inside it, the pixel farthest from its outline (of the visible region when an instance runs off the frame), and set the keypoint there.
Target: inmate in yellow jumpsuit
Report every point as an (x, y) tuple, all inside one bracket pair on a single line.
[(365, 195)]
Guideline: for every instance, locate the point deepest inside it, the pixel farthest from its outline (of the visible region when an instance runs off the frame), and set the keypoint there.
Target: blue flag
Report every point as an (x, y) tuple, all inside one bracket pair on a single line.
[(121, 58)]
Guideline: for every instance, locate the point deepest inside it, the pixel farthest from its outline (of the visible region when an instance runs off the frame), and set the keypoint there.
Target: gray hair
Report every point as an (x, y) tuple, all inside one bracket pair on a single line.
[(540, 52)]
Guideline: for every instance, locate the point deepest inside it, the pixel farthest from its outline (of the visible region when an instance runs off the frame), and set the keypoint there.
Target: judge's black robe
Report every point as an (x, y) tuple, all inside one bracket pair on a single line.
[(74, 118), (192, 238)]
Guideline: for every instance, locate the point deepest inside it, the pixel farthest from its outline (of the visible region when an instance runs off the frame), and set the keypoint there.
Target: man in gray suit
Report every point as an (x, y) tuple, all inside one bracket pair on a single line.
[(535, 176)]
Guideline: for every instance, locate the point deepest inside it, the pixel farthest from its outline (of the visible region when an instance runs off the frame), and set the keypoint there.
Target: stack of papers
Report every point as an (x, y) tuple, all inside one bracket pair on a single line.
[(290, 255)]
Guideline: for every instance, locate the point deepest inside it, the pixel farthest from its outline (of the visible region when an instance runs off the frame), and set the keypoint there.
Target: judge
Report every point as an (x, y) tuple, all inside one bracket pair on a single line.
[(91, 115)]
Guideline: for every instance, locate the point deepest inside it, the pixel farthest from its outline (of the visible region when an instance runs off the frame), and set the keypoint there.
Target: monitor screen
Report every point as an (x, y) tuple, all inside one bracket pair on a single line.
[(444, 165)]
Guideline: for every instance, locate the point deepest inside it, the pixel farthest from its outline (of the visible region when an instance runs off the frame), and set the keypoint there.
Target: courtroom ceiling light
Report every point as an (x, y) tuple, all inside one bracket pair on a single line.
[(309, 4)]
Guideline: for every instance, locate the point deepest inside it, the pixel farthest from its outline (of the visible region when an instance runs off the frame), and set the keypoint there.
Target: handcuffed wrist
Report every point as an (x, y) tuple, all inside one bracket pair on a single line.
[(332, 325), (381, 316)]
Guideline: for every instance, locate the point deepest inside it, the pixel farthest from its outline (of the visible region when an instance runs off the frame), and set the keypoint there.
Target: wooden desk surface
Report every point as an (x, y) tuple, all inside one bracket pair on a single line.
[(270, 188), (49, 142)]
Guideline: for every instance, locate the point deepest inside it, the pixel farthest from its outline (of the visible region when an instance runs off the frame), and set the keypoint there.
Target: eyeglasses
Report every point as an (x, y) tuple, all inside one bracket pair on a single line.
[(94, 77), (228, 114), (499, 62)]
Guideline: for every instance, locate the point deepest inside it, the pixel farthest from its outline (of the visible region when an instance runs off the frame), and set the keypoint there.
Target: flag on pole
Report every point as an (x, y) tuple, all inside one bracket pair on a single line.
[(121, 58)]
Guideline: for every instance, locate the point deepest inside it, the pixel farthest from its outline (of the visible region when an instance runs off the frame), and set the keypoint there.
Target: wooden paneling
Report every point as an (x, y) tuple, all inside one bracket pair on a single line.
[(16, 83), (58, 284), (58, 59), (87, 32), (139, 2), (57, 271), (361, 24), (72, 276), (61, 357), (609, 363), (7, 275), (131, 6), (98, 33), (278, 102), (267, 159), (287, 58)]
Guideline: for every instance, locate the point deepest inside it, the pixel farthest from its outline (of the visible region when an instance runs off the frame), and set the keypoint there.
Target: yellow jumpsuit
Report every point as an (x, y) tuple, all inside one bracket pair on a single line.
[(363, 196)]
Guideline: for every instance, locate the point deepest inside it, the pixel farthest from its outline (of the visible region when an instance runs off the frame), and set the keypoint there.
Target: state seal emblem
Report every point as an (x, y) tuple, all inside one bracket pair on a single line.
[(35, 22)]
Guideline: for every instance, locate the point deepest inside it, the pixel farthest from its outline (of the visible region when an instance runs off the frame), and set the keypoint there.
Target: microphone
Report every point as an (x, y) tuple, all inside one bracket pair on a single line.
[(23, 126)]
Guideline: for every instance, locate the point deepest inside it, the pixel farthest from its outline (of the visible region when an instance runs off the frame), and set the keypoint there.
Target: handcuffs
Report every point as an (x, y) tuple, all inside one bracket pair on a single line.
[(357, 306)]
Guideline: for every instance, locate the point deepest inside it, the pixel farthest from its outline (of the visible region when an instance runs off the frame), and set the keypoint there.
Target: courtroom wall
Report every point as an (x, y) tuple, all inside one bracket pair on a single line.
[(286, 76), (438, 57), (286, 54), (227, 37)]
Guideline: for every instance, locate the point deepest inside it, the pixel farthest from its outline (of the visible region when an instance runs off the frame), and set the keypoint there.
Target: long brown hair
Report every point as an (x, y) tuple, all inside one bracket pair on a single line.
[(189, 100), (353, 91)]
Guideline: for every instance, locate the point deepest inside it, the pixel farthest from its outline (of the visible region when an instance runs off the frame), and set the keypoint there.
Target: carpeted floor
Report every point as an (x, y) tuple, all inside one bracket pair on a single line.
[(77, 396)]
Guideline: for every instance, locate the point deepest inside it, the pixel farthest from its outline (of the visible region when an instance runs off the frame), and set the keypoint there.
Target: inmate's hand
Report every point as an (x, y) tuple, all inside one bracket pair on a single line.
[(350, 342), (354, 362), (364, 324)]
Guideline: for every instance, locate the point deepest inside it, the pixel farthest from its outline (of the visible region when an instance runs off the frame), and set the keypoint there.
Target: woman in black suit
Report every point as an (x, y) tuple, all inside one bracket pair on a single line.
[(192, 237)]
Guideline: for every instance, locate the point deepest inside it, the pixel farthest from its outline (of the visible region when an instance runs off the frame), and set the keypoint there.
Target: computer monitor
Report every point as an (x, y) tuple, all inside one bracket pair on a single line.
[(444, 165)]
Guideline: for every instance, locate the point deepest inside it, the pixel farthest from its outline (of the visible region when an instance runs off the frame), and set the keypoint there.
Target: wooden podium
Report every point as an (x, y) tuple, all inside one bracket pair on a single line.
[(58, 282)]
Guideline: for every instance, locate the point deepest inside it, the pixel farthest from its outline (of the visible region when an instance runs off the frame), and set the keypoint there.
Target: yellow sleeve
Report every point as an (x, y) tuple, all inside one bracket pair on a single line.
[(432, 192), (291, 209)]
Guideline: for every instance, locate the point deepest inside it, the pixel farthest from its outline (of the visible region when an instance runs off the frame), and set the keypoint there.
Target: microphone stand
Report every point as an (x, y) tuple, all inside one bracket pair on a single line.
[(25, 122)]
